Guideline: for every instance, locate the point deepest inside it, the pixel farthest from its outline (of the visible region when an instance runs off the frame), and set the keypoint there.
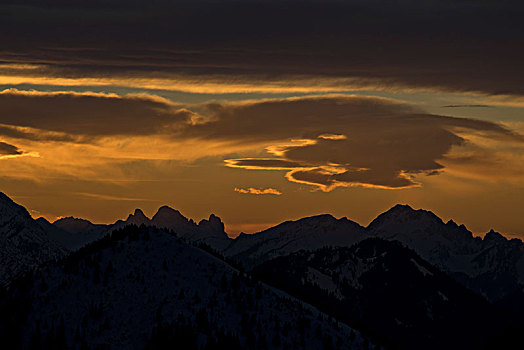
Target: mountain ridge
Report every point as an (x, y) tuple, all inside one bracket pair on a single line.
[(475, 261)]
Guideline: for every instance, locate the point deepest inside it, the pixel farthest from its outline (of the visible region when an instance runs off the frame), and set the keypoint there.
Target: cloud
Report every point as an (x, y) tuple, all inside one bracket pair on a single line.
[(252, 190), (114, 198), (385, 144), (263, 163), (333, 45), (325, 141), (9, 150), (63, 116), (467, 106)]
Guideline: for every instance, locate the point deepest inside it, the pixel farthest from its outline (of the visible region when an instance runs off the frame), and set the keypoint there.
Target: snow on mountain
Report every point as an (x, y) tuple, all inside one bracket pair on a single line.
[(494, 266), (308, 233), (388, 290), (23, 243), (143, 287)]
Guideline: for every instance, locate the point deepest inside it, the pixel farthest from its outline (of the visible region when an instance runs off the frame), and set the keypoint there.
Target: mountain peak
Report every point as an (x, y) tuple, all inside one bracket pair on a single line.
[(138, 218), (493, 236), (139, 212), (167, 217), (403, 213), (9, 209), (213, 224)]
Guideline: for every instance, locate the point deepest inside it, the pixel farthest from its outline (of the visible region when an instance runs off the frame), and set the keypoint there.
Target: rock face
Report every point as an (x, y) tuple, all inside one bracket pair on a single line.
[(24, 244)]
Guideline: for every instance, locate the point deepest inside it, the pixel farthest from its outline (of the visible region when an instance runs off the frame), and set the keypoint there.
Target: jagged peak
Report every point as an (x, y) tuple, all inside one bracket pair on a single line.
[(494, 236), (138, 217), (139, 212), (452, 223), (214, 223)]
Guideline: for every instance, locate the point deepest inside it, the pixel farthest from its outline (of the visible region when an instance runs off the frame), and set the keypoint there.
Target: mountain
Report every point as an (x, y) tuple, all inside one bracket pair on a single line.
[(74, 233), (308, 233), (210, 232), (388, 290), (79, 226), (24, 244), (142, 287), (493, 265)]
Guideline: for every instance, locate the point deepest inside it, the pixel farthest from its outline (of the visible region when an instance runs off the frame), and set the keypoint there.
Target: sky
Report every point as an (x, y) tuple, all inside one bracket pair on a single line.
[(264, 111)]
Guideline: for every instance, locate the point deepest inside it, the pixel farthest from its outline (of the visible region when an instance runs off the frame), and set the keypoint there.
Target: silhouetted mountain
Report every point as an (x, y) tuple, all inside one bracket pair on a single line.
[(145, 288), (493, 266), (210, 231), (387, 290), (74, 233), (75, 225), (24, 244), (291, 236)]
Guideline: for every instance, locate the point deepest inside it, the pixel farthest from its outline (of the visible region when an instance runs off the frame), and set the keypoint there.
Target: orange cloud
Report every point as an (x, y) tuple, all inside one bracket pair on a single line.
[(252, 190)]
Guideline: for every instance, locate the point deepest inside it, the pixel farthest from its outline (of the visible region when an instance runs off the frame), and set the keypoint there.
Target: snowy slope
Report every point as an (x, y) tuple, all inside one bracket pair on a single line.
[(142, 285), (494, 265), (308, 233), (23, 243), (386, 289)]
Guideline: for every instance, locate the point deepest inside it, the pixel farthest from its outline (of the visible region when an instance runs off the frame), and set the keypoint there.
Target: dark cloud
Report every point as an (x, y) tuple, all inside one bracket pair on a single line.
[(327, 141), (386, 143), (66, 114), (9, 150), (451, 45), (18, 133)]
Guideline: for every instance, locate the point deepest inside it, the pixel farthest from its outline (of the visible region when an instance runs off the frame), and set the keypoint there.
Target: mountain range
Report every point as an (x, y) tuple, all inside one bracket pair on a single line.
[(407, 280)]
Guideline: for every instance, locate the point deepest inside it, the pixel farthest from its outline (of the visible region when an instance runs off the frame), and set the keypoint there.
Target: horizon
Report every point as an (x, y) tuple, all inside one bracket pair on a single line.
[(233, 234)]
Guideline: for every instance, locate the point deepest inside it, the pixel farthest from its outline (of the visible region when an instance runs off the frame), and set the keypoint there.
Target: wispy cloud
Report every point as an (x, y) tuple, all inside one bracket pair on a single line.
[(114, 198), (252, 190), (467, 106)]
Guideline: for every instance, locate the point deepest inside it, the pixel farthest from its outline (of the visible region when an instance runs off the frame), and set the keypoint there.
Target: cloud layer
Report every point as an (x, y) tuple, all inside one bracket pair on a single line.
[(324, 141), (229, 46)]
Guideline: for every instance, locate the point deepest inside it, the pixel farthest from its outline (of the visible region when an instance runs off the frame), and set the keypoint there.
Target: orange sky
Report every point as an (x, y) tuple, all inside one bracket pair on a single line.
[(103, 110)]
